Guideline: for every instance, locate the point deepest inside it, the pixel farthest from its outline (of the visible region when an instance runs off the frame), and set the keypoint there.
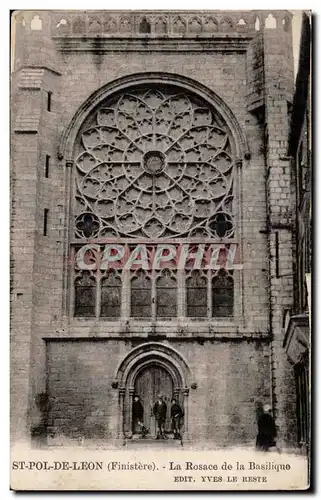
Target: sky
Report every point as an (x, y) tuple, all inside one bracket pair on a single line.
[(296, 33)]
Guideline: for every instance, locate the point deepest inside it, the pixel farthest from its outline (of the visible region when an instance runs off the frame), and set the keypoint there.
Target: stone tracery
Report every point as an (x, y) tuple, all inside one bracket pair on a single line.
[(154, 163)]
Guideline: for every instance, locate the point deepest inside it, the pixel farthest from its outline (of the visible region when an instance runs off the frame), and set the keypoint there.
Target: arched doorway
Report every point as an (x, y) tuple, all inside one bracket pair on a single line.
[(148, 370), (151, 381)]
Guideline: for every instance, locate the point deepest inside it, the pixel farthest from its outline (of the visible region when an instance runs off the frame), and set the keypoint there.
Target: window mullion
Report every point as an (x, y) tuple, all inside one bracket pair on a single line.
[(181, 293), (126, 294), (154, 296), (72, 284), (209, 294), (98, 294)]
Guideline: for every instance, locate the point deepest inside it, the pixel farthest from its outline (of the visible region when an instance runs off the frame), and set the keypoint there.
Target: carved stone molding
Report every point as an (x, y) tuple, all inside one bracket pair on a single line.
[(163, 24), (229, 42), (151, 352)]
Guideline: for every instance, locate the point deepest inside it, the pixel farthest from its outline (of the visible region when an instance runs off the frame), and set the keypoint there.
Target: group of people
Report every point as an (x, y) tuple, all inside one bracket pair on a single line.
[(266, 436), (160, 413)]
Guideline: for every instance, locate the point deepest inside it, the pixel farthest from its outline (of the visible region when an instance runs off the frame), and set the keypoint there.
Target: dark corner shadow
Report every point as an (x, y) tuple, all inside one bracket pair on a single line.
[(314, 162)]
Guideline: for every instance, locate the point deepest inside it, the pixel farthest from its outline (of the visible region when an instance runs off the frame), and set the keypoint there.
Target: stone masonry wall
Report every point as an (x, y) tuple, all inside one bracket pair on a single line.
[(223, 412), (35, 257), (278, 61)]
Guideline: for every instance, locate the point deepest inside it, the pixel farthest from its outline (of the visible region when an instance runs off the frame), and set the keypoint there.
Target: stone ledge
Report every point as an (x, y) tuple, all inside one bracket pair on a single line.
[(174, 337), (225, 43)]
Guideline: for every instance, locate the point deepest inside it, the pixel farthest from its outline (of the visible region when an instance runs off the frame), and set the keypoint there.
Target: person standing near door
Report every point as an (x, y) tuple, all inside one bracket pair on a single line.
[(160, 411), (267, 432), (138, 416), (176, 417)]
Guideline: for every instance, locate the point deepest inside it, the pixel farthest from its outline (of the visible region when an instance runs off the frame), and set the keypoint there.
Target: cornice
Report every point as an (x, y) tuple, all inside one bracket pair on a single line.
[(225, 43)]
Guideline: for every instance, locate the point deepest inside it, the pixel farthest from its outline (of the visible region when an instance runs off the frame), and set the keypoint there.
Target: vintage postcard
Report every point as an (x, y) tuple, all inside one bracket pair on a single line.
[(160, 250)]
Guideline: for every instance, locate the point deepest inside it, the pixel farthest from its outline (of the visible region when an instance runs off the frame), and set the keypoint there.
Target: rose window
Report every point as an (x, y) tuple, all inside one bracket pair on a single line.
[(154, 163)]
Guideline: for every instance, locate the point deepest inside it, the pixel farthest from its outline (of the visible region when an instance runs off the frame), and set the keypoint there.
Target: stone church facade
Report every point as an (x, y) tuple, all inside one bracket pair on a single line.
[(157, 130)]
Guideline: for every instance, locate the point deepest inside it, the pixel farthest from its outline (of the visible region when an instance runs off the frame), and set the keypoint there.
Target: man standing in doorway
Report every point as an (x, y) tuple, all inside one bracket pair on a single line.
[(160, 411), (176, 417), (138, 416)]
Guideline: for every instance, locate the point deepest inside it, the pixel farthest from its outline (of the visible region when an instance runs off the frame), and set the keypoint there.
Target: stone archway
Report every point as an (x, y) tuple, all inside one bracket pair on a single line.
[(145, 356)]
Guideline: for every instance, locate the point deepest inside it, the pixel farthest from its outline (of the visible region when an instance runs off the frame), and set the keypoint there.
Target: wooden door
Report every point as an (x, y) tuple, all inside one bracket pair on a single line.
[(149, 383)]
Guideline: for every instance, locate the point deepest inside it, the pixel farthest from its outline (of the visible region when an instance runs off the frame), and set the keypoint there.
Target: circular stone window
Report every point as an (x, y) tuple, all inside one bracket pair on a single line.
[(154, 162)]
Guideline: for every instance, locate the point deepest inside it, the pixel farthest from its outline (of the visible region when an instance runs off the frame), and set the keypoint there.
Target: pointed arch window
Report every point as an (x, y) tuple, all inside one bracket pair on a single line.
[(111, 287), (166, 294), (196, 294), (223, 294), (141, 295), (85, 295)]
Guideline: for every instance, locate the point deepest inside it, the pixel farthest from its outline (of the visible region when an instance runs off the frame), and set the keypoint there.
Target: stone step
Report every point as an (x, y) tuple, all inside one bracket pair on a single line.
[(148, 442)]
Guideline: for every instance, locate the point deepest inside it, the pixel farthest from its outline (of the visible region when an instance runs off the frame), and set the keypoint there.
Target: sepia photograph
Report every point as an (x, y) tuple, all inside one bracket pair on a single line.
[(160, 250)]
